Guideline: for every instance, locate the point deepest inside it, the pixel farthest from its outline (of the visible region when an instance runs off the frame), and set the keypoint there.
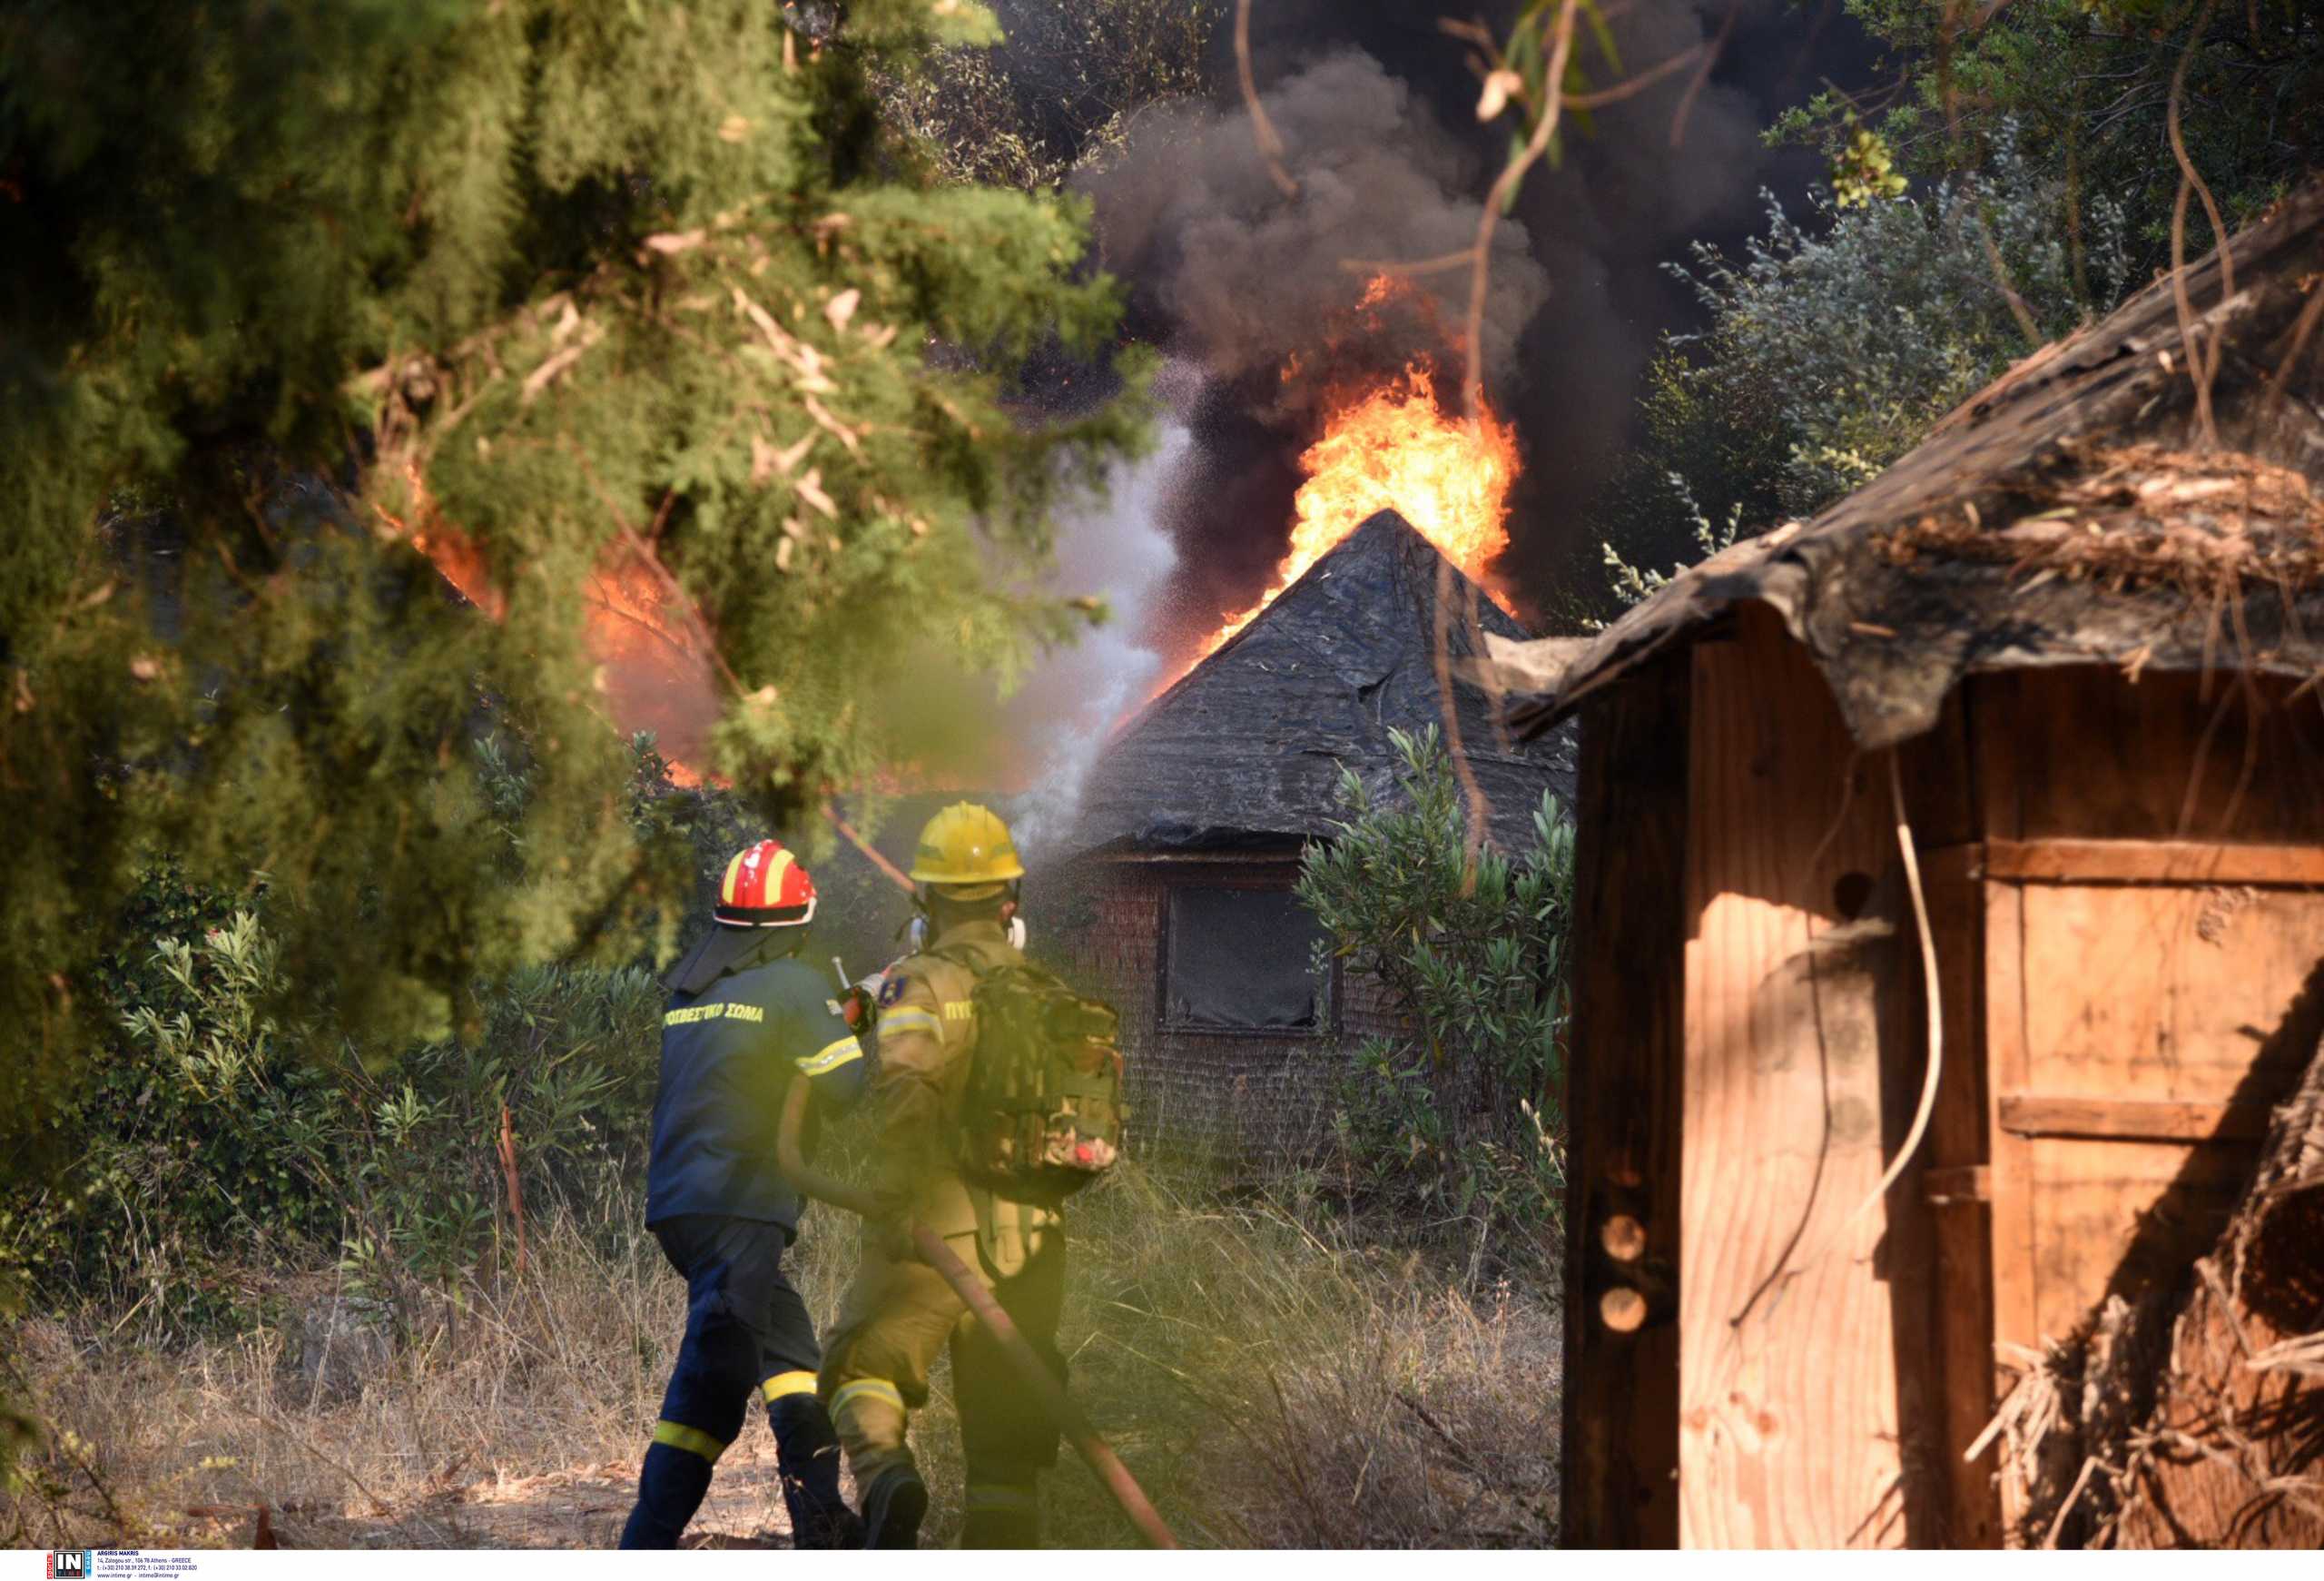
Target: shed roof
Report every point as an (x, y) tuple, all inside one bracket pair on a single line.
[(2076, 512), (1246, 748)]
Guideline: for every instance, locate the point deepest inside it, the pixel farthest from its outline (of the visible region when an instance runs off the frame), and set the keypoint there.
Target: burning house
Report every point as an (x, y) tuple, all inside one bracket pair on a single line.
[(1175, 900)]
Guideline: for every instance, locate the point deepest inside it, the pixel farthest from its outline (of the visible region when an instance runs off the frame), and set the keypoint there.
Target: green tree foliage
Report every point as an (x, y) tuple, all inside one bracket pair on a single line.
[(594, 288), (1059, 93), (2083, 89), (2039, 134), (1833, 347), (1463, 1116)]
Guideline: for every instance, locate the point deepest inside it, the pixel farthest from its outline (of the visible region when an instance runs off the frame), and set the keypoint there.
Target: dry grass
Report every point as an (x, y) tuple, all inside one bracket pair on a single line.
[(1268, 1383)]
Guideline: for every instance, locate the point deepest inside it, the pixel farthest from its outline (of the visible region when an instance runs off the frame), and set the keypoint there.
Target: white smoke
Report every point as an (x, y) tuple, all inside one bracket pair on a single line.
[(1116, 549)]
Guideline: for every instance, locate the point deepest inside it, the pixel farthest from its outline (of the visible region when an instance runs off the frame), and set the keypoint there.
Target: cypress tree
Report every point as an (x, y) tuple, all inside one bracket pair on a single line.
[(572, 292)]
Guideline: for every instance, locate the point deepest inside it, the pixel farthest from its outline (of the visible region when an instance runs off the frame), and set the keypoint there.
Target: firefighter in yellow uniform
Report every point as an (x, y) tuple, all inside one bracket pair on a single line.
[(899, 1312)]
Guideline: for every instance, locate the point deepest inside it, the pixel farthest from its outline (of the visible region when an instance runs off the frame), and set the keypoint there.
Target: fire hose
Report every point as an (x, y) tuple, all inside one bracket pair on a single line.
[(1107, 1466)]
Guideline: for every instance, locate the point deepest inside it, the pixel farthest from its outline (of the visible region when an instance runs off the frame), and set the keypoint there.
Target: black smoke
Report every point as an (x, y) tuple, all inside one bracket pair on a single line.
[(1375, 105)]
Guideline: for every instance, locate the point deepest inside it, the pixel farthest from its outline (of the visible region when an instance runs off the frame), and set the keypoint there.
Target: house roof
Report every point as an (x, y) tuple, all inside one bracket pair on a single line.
[(2075, 512), (1246, 748)]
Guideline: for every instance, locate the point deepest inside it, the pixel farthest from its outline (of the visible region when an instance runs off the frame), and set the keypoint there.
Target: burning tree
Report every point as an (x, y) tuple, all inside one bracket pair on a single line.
[(609, 310)]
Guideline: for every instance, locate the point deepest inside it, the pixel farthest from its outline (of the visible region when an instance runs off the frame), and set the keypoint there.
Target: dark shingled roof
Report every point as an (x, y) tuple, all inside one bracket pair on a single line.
[(2074, 513), (1246, 748)]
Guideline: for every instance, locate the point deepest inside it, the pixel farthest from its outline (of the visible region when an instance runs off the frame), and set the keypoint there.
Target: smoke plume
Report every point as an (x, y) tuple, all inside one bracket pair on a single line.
[(1375, 106), (1244, 280), (1116, 549)]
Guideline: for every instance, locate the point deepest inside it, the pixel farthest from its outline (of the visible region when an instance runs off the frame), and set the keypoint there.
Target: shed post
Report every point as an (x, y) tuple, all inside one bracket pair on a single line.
[(1621, 1437)]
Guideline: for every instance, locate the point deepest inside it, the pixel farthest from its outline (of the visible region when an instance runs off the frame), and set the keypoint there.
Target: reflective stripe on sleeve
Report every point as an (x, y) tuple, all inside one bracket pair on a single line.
[(831, 1057), (787, 1383), (912, 1020), (873, 1389), (693, 1440)]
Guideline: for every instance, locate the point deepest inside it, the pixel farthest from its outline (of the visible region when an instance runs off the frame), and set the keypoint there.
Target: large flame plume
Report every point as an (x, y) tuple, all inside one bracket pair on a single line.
[(1391, 446)]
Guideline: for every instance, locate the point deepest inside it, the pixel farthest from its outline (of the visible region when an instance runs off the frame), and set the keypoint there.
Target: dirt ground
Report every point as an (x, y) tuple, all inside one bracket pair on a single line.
[(579, 1507)]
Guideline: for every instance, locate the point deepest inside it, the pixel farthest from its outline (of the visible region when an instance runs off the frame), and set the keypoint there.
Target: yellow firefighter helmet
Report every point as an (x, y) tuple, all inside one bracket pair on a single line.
[(966, 847)]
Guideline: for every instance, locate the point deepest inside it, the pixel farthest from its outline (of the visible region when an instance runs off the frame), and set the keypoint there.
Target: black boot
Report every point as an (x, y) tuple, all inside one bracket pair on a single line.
[(808, 1452), (892, 1507), (669, 1490)]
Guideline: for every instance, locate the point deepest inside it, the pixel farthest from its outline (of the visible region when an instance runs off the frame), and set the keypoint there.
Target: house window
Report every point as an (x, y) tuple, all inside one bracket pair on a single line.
[(1240, 960)]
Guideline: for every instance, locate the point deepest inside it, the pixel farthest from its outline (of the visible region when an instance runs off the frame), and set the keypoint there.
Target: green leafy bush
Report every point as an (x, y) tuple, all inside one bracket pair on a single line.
[(1833, 346), (1461, 1118), (2084, 87), (223, 1143)]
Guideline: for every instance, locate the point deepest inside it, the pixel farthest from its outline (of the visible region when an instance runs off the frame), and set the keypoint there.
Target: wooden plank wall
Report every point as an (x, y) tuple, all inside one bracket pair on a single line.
[(2151, 921), (1621, 1425), (1789, 1422)]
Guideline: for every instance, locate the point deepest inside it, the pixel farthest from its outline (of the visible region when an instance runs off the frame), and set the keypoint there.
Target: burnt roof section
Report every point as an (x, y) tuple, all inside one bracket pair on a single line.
[(1244, 750), (2074, 512)]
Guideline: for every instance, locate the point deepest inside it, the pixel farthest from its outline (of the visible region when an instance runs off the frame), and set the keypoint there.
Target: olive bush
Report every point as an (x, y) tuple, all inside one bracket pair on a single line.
[(1461, 1116)]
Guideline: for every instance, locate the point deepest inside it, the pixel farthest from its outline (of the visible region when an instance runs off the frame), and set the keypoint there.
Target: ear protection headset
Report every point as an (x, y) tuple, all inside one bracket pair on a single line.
[(917, 933)]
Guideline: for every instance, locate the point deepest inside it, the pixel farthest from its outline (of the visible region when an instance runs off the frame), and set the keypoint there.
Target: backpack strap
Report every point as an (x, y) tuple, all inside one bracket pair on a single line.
[(960, 955)]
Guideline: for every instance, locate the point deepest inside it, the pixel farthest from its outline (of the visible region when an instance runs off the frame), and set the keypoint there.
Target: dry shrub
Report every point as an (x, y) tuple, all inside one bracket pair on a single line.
[(1270, 1384)]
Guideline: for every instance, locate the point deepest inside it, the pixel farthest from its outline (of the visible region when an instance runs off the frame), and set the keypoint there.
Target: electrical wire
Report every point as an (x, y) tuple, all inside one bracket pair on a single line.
[(1936, 1008)]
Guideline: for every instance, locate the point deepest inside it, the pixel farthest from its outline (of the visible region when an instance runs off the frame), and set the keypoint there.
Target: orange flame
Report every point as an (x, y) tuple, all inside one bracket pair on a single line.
[(1394, 449), (653, 670)]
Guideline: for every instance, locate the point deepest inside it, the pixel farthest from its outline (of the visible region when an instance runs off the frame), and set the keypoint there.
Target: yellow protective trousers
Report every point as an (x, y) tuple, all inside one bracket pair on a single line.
[(898, 1314)]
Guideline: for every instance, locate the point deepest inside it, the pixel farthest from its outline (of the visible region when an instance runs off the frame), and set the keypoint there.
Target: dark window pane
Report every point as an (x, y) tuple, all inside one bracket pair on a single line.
[(1239, 959)]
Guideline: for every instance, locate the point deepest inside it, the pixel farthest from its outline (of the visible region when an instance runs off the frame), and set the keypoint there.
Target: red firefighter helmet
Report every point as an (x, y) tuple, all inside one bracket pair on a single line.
[(765, 887)]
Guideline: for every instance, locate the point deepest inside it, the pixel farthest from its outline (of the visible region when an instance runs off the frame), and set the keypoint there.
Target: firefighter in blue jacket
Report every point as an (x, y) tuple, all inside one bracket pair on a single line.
[(745, 1019)]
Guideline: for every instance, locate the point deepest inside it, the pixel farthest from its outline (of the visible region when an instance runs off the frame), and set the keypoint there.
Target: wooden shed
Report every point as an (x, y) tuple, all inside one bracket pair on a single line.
[(1976, 828), (1174, 894)]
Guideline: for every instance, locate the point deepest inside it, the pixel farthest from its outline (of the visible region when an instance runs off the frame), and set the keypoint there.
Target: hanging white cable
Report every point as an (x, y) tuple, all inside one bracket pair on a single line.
[(1928, 976)]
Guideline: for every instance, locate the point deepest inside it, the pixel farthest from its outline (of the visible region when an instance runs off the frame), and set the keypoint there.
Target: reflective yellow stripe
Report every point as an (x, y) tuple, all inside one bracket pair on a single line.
[(878, 1388), (1002, 1496), (912, 1020), (831, 1057), (787, 1383), (678, 1436), (771, 893)]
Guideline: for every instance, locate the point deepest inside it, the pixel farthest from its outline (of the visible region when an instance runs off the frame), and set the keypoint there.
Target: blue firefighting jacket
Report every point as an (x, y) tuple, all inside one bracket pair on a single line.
[(729, 1055)]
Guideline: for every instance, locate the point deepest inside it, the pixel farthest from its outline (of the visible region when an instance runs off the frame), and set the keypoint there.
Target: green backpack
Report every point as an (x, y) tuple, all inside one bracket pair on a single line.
[(1042, 1113)]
